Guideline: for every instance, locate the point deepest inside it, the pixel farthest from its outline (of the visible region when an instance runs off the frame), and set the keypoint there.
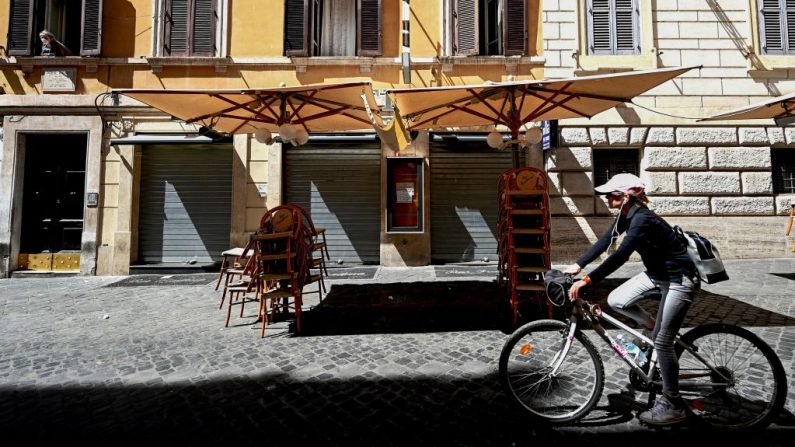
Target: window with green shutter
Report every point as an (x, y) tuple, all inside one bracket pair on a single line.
[(189, 27), (77, 25), (777, 26), (613, 27)]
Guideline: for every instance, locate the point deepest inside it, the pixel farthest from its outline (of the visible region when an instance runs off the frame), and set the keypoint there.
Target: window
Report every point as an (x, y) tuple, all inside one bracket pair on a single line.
[(783, 162), (609, 162), (489, 27), (613, 27), (777, 26), (189, 27), (332, 28), (76, 24)]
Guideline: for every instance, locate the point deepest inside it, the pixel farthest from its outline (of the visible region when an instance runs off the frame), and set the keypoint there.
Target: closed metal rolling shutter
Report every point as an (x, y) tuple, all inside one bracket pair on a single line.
[(464, 200), (339, 183), (186, 203)]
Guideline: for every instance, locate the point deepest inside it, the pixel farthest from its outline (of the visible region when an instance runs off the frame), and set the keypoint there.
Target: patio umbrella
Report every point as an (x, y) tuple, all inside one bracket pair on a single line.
[(513, 104), (779, 108), (292, 111)]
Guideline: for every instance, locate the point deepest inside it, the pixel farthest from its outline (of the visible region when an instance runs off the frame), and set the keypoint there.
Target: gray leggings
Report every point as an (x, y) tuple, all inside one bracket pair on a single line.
[(624, 299), (676, 300)]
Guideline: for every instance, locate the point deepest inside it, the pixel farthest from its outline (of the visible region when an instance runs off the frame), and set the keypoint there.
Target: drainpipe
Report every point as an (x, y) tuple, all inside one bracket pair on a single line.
[(405, 59)]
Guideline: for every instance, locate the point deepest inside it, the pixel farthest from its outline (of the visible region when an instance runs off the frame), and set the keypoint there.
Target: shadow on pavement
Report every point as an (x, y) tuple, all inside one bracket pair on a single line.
[(276, 410), (790, 276), (443, 306), (415, 307)]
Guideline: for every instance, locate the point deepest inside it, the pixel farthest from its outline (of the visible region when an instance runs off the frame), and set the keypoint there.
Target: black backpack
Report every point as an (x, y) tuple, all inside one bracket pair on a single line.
[(704, 255)]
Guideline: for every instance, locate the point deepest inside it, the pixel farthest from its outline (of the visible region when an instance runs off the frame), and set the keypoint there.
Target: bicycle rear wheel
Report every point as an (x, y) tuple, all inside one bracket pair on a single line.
[(526, 372), (758, 384)]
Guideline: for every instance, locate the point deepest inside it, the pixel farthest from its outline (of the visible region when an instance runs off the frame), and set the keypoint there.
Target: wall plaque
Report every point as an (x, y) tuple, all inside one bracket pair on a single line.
[(58, 79)]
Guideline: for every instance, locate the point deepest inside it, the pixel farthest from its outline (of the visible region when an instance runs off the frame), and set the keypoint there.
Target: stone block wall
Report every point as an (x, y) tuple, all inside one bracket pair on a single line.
[(683, 33), (715, 178)]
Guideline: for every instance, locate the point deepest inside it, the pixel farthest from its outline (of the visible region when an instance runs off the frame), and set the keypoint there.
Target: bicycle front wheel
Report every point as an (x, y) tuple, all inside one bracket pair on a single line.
[(526, 371), (756, 387)]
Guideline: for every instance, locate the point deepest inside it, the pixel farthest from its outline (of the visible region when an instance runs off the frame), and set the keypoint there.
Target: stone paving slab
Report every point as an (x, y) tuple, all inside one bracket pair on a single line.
[(83, 360)]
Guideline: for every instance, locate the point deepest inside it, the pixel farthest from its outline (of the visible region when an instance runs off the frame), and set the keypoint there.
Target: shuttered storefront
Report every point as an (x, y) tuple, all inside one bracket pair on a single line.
[(464, 200), (186, 203), (339, 183)]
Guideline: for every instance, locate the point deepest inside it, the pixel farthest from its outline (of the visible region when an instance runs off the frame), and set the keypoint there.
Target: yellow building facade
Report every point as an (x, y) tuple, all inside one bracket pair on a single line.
[(97, 183)]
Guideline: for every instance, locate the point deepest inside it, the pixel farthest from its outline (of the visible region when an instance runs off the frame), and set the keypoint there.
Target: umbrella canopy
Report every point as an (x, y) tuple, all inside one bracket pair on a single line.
[(317, 108), (778, 107), (513, 104)]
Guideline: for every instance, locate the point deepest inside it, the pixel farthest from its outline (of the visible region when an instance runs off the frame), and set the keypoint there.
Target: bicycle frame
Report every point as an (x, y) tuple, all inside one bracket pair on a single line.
[(593, 314)]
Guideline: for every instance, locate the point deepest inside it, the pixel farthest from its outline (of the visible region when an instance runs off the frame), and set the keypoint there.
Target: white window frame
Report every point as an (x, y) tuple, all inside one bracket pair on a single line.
[(756, 59), (221, 39), (594, 62)]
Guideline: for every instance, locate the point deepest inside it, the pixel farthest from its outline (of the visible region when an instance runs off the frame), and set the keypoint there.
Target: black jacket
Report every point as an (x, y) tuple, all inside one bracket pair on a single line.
[(663, 254)]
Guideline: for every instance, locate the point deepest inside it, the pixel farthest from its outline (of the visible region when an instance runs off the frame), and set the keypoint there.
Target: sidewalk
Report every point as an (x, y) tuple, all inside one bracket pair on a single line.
[(128, 360)]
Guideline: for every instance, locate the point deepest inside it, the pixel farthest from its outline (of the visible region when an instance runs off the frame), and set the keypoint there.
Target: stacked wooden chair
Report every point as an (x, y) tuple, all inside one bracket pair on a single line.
[(276, 265), (286, 245), (523, 236)]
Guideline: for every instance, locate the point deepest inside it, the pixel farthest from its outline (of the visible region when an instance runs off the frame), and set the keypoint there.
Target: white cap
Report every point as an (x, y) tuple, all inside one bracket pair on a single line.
[(626, 183)]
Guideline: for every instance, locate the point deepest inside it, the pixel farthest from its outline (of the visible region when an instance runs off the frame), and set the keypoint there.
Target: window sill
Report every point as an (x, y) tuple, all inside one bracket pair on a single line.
[(157, 63), (510, 62), (593, 63), (760, 63), (365, 64), (27, 63)]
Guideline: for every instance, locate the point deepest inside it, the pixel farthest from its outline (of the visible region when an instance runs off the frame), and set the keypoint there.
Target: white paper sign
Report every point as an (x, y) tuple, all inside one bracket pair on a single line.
[(405, 192)]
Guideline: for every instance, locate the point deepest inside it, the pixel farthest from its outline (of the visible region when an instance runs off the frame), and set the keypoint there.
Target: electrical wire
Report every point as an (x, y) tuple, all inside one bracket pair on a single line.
[(666, 114)]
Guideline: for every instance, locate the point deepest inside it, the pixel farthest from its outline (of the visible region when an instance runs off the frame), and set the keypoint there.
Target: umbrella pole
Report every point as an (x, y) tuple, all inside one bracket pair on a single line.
[(516, 147)]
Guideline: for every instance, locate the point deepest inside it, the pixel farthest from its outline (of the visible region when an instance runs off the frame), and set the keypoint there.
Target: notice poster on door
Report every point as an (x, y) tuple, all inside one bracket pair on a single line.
[(404, 192), (404, 177)]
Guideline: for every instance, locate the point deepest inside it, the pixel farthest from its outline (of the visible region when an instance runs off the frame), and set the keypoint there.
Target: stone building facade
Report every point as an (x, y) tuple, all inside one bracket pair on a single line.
[(712, 177), (718, 178)]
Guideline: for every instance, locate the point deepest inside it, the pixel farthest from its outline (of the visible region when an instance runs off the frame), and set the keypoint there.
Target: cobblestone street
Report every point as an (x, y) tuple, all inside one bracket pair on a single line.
[(147, 359)]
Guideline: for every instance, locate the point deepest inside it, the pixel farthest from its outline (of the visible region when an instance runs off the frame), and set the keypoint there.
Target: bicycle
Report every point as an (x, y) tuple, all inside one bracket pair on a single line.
[(729, 377)]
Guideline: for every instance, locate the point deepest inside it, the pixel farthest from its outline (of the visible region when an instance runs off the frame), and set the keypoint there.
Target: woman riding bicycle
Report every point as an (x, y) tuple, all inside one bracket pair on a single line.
[(668, 267)]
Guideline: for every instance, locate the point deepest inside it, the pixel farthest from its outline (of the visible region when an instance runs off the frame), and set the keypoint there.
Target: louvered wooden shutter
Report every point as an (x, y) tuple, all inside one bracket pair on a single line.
[(514, 27), (465, 27), (369, 24), (20, 28), (627, 18), (613, 27), (205, 17), (175, 27), (599, 25), (296, 27), (91, 43), (790, 26), (771, 26)]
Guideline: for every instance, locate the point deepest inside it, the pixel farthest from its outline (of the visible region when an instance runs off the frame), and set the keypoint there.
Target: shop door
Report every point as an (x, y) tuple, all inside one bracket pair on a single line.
[(340, 184), (185, 211), (464, 200), (52, 202)]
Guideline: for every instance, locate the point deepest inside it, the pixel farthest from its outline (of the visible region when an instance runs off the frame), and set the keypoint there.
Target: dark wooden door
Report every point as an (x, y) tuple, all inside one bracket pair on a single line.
[(52, 209)]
